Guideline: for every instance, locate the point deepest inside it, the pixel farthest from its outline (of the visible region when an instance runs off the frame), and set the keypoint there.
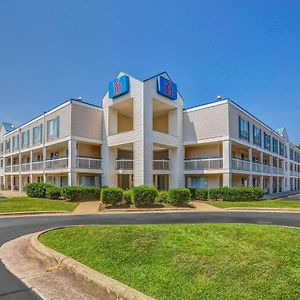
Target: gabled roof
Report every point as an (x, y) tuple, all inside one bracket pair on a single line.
[(7, 126), (282, 132)]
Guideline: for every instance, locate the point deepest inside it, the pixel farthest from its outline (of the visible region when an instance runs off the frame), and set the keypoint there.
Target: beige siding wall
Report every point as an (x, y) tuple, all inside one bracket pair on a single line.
[(86, 122), (161, 124), (89, 150), (203, 151), (205, 123), (125, 123)]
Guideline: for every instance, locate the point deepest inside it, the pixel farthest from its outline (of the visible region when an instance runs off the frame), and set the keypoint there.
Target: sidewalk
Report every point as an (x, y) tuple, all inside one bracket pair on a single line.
[(10, 194)]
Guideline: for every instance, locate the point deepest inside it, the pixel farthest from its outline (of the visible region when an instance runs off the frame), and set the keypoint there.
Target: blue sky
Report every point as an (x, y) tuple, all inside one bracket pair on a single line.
[(245, 50)]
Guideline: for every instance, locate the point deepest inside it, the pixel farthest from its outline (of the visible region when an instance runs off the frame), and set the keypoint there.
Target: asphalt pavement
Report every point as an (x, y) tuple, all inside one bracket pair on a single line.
[(11, 228)]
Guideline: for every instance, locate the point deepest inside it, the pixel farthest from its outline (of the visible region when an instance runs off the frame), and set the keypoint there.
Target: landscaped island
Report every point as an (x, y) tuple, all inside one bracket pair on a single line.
[(211, 261)]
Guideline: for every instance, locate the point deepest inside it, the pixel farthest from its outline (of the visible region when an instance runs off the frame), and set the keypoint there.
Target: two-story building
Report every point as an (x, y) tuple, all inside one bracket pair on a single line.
[(142, 135)]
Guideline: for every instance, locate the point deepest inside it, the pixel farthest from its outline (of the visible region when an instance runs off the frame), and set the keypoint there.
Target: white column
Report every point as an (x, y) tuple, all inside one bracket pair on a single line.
[(227, 158), (271, 177), (111, 169), (11, 182), (250, 157), (72, 178), (250, 180), (261, 182), (30, 178), (277, 184), (30, 160), (175, 168), (72, 154), (20, 183)]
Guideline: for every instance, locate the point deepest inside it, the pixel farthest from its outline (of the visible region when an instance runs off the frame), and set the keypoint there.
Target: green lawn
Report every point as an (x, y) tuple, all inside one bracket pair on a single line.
[(23, 204), (210, 261), (253, 204)]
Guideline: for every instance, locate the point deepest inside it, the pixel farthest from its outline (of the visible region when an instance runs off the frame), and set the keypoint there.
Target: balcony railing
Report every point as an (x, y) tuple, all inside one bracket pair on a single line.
[(124, 164), (56, 164), (266, 169), (8, 168), (256, 167), (25, 167), (239, 164), (275, 170), (15, 168), (88, 163), (203, 164), (281, 171), (37, 166), (161, 164)]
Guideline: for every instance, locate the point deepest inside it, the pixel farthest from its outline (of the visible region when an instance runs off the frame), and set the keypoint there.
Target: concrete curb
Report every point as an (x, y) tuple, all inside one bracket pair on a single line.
[(20, 213), (108, 287)]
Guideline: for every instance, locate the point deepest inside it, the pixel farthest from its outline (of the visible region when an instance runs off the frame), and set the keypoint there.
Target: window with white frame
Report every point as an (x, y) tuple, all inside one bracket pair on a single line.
[(15, 143), (25, 139), (37, 135), (256, 136), (267, 141), (244, 129), (7, 146), (275, 145), (53, 129)]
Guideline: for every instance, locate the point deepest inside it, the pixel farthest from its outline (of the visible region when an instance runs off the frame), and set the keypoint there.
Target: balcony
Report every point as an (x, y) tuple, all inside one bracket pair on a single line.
[(7, 168), (25, 167), (57, 164), (37, 166), (256, 167), (281, 171), (15, 168), (161, 164), (275, 170), (266, 169), (124, 164), (239, 164), (203, 164), (88, 163)]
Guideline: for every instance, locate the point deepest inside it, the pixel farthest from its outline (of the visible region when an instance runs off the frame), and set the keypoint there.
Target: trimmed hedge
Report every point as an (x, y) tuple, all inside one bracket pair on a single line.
[(53, 192), (71, 192), (179, 196), (111, 195), (37, 189), (81, 192), (162, 197), (236, 194), (199, 193), (144, 195), (127, 197)]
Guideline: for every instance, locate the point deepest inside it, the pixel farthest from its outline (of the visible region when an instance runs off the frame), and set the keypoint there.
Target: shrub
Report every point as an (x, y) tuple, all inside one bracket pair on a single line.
[(90, 192), (37, 189), (236, 194), (200, 194), (162, 197), (53, 192), (71, 192), (179, 196), (111, 195), (127, 197), (144, 195)]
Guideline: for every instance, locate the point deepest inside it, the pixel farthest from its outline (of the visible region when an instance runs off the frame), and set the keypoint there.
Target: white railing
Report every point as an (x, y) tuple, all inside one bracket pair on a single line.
[(281, 171), (37, 165), (266, 169), (56, 164), (239, 164), (124, 164), (88, 163), (161, 164), (275, 170), (8, 168), (15, 168), (25, 167), (203, 164), (256, 167)]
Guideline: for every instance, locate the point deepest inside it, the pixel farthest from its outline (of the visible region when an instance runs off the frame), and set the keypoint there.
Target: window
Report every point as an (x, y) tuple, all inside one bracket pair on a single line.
[(7, 146), (281, 148), (244, 129), (275, 145), (291, 154), (267, 141), (15, 143), (256, 136), (25, 139), (198, 182), (37, 135), (53, 129)]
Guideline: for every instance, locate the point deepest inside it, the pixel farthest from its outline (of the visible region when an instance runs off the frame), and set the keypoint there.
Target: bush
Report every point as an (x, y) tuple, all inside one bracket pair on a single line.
[(111, 195), (127, 197), (90, 192), (236, 194), (144, 195), (37, 189), (71, 192), (179, 196), (162, 197), (199, 194), (53, 192)]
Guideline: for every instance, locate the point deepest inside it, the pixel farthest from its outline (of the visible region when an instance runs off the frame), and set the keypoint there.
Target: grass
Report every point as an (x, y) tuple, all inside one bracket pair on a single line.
[(258, 204), (24, 204), (210, 261)]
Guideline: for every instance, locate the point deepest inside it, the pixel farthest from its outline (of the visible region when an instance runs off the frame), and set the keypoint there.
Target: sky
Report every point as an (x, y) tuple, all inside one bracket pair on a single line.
[(248, 51)]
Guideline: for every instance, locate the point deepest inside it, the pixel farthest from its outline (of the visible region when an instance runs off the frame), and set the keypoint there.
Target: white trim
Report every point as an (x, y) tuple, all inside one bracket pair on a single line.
[(212, 104)]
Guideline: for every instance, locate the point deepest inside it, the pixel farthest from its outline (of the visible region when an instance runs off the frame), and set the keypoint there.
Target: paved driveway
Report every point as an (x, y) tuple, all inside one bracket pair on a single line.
[(11, 228), (294, 197)]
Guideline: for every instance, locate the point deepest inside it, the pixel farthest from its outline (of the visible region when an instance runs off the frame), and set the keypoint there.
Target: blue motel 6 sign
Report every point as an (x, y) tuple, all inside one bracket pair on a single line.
[(167, 88), (118, 87)]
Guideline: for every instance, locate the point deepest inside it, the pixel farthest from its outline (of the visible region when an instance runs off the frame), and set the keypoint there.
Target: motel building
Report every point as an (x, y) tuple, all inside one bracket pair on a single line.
[(143, 135)]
